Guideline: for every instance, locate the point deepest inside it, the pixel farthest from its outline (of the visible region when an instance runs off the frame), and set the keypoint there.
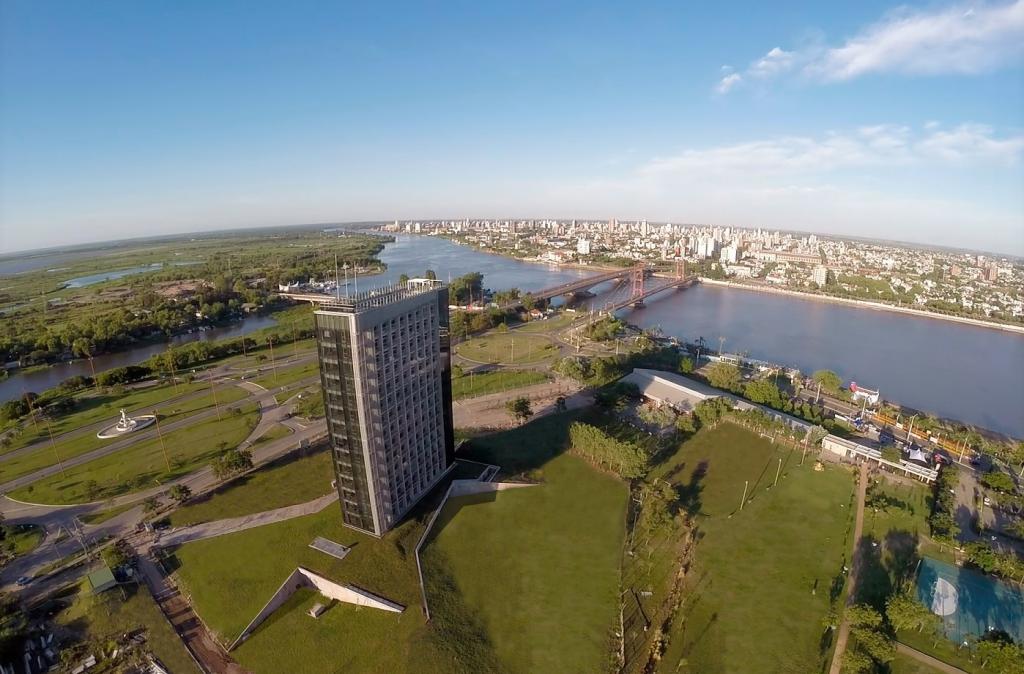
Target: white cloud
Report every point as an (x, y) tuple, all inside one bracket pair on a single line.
[(728, 82), (880, 145), (957, 39)]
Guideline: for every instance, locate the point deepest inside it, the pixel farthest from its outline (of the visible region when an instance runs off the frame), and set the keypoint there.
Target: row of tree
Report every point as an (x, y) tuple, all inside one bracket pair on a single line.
[(626, 459)]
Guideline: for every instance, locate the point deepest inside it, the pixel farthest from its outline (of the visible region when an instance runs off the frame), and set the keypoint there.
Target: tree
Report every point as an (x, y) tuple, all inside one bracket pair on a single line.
[(403, 278), (519, 409), (904, 611), (765, 392), (724, 376), (686, 365), (829, 380), (231, 462), (998, 480), (863, 615), (92, 490), (560, 405), (180, 493), (151, 505), (855, 662), (892, 453), (117, 554), (878, 645), (429, 274)]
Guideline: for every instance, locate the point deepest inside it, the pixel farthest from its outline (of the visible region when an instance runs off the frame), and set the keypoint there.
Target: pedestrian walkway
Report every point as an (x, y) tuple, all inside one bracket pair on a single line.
[(858, 530), (230, 525)]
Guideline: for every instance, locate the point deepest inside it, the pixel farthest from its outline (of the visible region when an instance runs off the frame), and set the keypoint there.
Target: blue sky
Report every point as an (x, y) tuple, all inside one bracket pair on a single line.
[(869, 118)]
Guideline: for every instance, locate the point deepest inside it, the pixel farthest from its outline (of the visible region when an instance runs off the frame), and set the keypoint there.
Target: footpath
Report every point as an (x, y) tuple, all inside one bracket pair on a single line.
[(858, 530)]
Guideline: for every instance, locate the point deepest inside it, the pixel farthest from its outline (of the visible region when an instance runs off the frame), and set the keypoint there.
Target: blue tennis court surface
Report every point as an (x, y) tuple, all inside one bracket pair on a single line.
[(970, 603)]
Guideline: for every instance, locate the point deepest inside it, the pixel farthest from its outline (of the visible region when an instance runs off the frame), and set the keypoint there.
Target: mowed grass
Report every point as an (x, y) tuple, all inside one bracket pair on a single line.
[(230, 578), (92, 408), (508, 347), (142, 465), (547, 325), (758, 589), (45, 456), (904, 664), (478, 384), (537, 568), (285, 375), (106, 617), (280, 484), (22, 538)]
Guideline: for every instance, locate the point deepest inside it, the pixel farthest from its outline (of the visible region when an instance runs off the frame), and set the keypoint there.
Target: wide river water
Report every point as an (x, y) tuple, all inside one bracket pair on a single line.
[(954, 370)]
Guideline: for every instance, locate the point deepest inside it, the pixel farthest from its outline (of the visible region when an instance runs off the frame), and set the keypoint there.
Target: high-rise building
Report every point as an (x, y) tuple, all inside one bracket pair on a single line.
[(385, 368), (820, 275)]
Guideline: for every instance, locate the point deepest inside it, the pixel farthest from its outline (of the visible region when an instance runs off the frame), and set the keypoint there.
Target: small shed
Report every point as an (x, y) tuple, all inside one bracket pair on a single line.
[(101, 580)]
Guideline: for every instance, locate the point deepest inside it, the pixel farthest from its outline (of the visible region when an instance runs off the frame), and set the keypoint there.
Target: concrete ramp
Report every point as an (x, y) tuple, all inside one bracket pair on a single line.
[(304, 578)]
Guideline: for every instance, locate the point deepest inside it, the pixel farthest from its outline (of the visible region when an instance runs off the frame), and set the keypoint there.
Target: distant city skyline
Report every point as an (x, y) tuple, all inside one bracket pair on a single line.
[(895, 122)]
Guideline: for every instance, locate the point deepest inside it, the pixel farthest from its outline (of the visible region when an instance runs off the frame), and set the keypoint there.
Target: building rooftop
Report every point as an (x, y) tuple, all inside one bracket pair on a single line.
[(377, 297)]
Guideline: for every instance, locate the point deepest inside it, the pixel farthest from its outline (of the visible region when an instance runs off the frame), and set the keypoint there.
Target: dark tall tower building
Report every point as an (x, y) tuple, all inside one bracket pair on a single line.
[(385, 368)]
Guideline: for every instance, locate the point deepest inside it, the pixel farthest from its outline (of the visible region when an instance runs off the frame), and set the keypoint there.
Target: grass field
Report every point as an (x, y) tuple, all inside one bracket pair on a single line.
[(904, 664), (568, 559), (103, 618), (547, 325), (469, 385), (101, 516), (508, 347), (21, 539), (44, 456), (287, 375), (275, 486), (534, 570), (92, 408), (759, 586), (142, 465)]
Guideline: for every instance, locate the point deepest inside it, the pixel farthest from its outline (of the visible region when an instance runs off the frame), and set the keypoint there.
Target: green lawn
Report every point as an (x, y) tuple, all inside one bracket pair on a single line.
[(44, 456), (231, 577), (286, 375), (142, 464), (904, 664), (280, 484), (92, 408), (104, 618), (549, 325), (560, 542), (758, 588), (20, 539), (534, 572), (275, 432), (101, 516), (469, 385), (509, 347)]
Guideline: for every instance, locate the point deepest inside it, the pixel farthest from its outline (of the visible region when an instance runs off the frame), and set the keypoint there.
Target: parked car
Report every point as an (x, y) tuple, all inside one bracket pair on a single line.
[(24, 580)]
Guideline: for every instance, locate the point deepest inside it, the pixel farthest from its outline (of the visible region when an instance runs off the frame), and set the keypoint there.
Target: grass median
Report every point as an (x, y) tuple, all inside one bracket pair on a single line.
[(46, 455), (507, 347), (143, 464)]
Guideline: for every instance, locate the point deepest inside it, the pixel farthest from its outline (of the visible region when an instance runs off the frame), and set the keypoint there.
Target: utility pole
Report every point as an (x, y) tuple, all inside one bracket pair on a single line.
[(910, 431), (170, 361), (213, 390), (777, 472), (721, 341), (746, 483), (818, 394), (160, 435), (273, 363), (53, 444)]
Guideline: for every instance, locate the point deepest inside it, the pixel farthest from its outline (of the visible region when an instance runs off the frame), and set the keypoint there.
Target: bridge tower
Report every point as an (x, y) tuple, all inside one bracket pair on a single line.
[(636, 277), (680, 269)]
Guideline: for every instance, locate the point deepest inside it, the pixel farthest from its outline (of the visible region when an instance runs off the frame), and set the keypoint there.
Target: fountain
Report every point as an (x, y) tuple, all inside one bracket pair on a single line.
[(125, 425)]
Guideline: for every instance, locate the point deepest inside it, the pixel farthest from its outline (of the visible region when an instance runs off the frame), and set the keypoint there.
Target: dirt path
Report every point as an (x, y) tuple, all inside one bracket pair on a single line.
[(938, 665), (858, 529)]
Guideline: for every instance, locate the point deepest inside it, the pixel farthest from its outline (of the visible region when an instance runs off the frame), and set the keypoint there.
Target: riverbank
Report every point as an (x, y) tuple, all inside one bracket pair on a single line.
[(877, 306)]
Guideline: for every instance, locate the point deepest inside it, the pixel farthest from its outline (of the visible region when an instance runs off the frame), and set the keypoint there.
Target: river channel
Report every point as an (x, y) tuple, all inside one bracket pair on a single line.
[(953, 370)]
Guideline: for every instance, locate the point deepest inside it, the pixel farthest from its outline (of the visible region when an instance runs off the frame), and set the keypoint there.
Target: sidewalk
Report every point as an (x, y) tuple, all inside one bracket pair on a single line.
[(231, 525)]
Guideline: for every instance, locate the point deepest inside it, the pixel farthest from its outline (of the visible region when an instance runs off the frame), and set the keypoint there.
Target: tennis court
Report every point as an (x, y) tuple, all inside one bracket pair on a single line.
[(969, 602)]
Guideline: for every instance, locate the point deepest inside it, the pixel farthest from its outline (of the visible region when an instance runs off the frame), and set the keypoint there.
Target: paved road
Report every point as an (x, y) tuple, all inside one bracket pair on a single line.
[(53, 517), (938, 665), (230, 525), (858, 530)]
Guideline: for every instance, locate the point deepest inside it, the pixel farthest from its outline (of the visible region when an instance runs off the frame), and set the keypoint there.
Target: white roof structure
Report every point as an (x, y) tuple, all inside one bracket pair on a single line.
[(684, 394)]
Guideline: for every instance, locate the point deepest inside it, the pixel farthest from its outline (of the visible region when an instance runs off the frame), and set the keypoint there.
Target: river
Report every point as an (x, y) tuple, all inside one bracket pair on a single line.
[(964, 372)]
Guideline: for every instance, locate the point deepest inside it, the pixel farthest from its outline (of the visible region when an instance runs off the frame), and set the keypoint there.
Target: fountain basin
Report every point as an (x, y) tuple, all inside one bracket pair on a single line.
[(121, 429)]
